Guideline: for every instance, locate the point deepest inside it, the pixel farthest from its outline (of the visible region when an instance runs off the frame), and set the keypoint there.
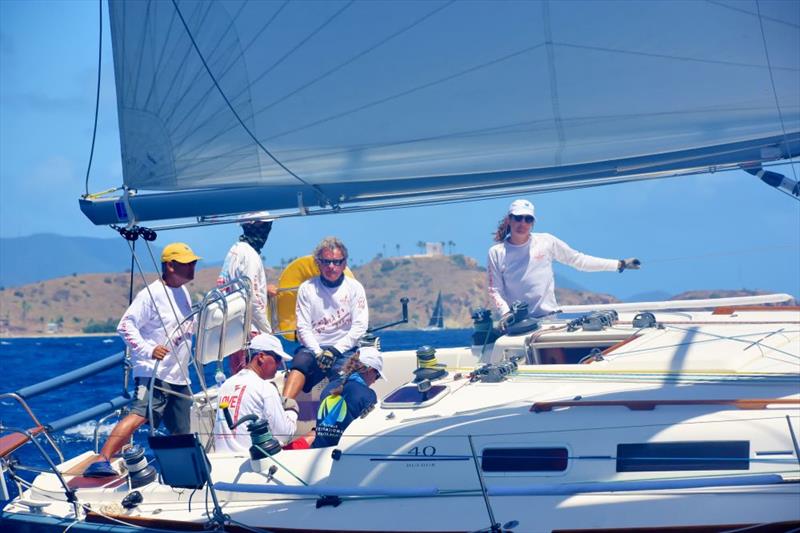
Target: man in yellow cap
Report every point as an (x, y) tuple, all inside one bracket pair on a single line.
[(160, 345)]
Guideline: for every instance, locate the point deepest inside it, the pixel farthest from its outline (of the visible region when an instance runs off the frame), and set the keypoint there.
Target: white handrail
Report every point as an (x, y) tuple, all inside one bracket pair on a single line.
[(679, 304)]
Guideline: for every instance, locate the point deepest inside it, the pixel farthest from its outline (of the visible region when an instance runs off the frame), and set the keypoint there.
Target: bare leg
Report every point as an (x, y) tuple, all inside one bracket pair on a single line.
[(294, 383), (121, 434)]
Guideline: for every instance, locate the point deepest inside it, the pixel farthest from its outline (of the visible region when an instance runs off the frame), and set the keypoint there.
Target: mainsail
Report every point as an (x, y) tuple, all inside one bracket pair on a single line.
[(297, 107)]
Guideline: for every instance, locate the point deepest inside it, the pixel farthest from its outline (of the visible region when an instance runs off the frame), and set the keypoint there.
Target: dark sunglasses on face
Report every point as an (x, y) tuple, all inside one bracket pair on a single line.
[(520, 218), (332, 262)]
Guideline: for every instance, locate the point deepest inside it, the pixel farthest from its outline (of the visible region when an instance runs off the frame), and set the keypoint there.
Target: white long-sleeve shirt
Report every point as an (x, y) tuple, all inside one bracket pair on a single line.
[(243, 261), (248, 394), (331, 316), (525, 272), (143, 330)]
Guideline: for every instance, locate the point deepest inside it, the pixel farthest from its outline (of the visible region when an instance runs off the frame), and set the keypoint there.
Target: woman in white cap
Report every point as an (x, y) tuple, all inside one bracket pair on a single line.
[(520, 264), (346, 398)]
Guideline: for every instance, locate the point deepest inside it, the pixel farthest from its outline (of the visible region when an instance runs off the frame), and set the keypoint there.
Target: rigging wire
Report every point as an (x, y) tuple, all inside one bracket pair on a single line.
[(274, 65), (316, 188), (97, 95), (201, 100), (740, 10), (330, 71), (774, 90)]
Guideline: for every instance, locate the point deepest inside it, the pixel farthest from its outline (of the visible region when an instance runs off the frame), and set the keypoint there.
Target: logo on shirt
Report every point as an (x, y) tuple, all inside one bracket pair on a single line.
[(332, 410)]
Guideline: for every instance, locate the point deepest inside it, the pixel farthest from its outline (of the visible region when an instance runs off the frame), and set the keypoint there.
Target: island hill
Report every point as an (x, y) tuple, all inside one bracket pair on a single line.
[(93, 303)]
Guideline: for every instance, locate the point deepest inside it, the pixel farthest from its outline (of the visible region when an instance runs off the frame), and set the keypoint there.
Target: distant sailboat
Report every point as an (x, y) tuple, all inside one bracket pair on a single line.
[(437, 317)]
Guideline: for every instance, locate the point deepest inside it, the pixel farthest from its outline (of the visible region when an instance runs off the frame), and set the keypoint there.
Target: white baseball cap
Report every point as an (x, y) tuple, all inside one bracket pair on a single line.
[(269, 343), (521, 207), (370, 356)]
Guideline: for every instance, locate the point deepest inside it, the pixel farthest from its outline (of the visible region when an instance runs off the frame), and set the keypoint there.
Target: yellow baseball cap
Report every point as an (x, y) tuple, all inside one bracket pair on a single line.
[(178, 252)]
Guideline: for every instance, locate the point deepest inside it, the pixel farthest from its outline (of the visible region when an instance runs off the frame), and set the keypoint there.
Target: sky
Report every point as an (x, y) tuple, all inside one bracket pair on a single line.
[(719, 231)]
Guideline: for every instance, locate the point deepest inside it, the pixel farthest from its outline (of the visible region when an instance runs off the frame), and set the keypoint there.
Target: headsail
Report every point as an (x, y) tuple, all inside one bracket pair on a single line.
[(235, 106)]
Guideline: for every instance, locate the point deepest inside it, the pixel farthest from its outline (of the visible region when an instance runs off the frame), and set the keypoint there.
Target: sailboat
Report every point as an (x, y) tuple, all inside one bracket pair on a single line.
[(650, 416), (437, 315)]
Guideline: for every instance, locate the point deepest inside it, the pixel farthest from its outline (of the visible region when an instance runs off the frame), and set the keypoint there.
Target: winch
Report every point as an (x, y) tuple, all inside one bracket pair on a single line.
[(428, 367), (140, 473), (483, 331), (519, 323), (263, 444)]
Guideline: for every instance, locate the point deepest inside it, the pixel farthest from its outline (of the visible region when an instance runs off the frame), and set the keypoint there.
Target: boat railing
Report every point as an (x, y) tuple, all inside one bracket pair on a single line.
[(30, 436), (10, 443)]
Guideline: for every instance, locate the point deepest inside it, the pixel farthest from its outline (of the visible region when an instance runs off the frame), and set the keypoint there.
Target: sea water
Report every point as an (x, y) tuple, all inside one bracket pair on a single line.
[(28, 361)]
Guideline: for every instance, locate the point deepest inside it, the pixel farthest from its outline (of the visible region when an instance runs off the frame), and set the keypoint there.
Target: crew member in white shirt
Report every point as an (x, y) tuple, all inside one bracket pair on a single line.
[(520, 266), (153, 328), (250, 393), (332, 315), (244, 261)]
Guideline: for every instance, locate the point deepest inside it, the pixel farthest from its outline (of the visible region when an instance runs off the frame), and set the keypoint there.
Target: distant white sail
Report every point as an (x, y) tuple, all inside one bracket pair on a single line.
[(437, 316), (235, 106)]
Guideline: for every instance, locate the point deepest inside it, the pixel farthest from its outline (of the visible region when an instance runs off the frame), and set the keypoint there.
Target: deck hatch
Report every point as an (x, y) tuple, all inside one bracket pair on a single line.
[(672, 456), (524, 459), (410, 396)]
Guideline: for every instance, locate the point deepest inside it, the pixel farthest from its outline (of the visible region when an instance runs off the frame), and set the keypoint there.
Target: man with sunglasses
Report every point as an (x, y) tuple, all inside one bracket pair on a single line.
[(332, 315), (249, 392), (520, 265)]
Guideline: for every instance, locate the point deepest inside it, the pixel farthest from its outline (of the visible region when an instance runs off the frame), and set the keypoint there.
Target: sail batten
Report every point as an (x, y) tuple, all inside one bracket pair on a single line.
[(341, 103)]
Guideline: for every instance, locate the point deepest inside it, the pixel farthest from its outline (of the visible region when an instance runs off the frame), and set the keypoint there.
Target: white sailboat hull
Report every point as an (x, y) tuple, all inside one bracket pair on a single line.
[(690, 424)]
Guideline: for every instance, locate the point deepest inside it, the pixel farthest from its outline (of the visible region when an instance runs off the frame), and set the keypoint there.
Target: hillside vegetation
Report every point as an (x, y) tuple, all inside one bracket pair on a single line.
[(94, 302)]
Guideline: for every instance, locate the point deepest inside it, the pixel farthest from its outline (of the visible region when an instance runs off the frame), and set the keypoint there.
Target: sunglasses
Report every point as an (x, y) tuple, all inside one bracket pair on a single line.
[(520, 218), (332, 262)]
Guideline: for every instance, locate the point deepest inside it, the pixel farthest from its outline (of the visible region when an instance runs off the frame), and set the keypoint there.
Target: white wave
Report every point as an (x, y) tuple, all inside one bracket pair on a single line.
[(5, 343), (85, 431), (108, 341)]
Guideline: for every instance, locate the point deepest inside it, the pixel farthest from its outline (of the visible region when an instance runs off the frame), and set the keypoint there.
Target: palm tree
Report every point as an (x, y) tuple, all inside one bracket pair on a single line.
[(421, 246), (450, 245), (397, 247)]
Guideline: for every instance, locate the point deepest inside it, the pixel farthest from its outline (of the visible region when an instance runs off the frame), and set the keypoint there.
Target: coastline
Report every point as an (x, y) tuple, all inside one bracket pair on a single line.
[(54, 335)]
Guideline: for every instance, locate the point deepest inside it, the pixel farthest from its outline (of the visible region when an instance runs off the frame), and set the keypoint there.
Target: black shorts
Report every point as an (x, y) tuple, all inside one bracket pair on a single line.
[(173, 410), (305, 361)]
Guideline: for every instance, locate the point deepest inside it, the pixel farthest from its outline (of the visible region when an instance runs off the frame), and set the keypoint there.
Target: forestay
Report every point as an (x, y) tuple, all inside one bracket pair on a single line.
[(233, 106)]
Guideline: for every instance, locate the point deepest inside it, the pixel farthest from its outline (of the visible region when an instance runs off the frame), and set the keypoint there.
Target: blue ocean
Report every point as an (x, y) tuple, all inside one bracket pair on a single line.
[(29, 361)]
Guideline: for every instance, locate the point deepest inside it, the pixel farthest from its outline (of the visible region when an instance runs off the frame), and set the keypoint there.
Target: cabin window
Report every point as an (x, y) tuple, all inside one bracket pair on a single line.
[(555, 349), (524, 459), (410, 396), (566, 355), (671, 456)]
